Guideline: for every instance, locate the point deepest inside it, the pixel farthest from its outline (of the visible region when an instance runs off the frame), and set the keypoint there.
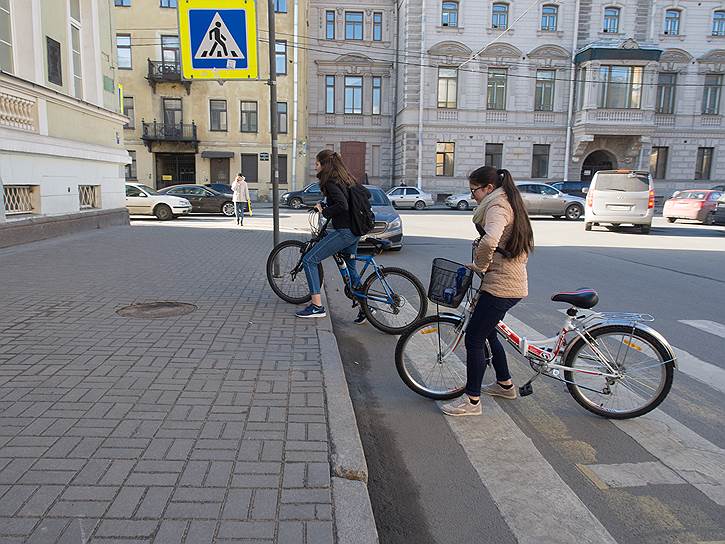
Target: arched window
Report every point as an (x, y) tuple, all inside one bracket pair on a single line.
[(500, 16), (672, 22), (549, 16), (718, 23), (611, 20), (449, 14)]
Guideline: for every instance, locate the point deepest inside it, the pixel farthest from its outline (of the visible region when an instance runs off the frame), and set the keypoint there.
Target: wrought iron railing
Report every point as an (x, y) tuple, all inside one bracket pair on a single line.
[(160, 70), (170, 132)]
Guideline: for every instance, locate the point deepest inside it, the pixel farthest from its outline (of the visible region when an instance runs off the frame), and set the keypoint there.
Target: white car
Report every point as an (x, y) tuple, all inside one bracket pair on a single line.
[(143, 200), (620, 197), (461, 201), (409, 197)]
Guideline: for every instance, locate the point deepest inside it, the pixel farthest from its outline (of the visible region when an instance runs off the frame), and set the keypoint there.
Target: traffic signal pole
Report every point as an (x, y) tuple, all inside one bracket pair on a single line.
[(274, 129)]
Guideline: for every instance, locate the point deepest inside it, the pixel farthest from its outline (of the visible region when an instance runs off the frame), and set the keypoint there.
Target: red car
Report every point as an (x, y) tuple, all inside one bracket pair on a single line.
[(694, 204)]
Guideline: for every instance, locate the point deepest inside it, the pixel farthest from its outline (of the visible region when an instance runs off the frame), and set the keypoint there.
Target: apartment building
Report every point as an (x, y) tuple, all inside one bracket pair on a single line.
[(61, 152), (204, 131)]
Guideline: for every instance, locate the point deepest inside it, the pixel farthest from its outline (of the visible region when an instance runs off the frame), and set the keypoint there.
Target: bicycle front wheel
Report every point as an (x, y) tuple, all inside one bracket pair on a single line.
[(431, 357), (286, 277), (394, 300), (644, 366)]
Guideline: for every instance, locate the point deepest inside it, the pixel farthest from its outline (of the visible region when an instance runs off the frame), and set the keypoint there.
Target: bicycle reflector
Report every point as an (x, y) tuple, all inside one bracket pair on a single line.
[(631, 345)]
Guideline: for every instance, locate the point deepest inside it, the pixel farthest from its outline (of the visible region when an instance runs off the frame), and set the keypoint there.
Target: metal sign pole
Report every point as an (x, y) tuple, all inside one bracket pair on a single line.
[(274, 129)]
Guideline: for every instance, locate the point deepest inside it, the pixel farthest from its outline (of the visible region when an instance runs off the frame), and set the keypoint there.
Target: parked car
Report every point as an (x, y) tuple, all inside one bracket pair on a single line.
[(719, 217), (694, 204), (574, 188), (388, 224), (543, 199), (620, 197), (461, 201), (719, 188), (309, 196), (203, 199), (220, 188), (143, 200), (409, 197)]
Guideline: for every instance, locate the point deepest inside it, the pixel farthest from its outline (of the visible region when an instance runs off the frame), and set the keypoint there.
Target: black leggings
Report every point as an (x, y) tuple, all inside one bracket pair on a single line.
[(489, 311)]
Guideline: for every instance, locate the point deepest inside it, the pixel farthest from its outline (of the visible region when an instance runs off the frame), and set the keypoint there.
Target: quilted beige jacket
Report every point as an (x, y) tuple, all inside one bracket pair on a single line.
[(505, 278)]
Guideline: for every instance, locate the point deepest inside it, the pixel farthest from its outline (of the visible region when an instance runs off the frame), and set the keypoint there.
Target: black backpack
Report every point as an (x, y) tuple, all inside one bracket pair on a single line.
[(362, 218)]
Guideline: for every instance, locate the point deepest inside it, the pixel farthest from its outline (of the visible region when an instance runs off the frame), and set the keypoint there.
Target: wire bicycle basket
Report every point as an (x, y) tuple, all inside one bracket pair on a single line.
[(449, 283)]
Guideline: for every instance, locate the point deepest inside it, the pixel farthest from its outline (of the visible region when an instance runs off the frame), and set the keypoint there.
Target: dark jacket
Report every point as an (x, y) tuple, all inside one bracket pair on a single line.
[(338, 205)]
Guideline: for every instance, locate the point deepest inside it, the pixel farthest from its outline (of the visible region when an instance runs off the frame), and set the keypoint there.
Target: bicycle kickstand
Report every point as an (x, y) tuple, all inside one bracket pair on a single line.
[(526, 389)]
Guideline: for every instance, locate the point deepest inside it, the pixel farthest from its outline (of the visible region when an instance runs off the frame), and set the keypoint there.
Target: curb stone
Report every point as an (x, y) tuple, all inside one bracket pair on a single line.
[(354, 521)]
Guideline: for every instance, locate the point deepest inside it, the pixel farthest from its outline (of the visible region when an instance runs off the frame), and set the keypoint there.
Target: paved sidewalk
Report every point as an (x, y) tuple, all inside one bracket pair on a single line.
[(209, 427)]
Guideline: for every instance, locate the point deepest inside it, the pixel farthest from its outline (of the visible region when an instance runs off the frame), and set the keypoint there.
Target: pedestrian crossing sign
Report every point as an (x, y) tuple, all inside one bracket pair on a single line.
[(218, 39)]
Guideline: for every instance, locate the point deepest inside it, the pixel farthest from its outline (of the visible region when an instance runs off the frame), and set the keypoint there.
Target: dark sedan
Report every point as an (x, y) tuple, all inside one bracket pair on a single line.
[(574, 188), (203, 199), (719, 218), (220, 188), (309, 196)]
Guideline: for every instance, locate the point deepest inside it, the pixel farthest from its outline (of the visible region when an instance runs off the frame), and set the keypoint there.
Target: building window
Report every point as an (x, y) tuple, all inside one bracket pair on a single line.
[(611, 20), (666, 86), (282, 162), (330, 25), (544, 96), (131, 168), (353, 25), (218, 115), (280, 56), (170, 50), (122, 3), (540, 161), (168, 3), (496, 89), (704, 162), (500, 16), (249, 116), (549, 18), (621, 87), (718, 23), (89, 197), (55, 70), (581, 81), (353, 94), (377, 95), (447, 88), (75, 10), (282, 117), (123, 46), (173, 112), (449, 14), (494, 155), (6, 39), (280, 6), (329, 94), (658, 162), (672, 22), (711, 94), (445, 158), (250, 167), (129, 111), (75, 38), (377, 26)]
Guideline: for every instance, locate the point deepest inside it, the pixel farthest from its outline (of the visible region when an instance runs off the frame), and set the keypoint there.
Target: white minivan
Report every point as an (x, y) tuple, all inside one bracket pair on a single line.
[(620, 197)]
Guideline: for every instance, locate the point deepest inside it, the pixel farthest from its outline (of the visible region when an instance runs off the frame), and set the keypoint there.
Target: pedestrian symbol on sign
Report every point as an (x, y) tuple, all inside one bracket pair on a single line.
[(218, 42)]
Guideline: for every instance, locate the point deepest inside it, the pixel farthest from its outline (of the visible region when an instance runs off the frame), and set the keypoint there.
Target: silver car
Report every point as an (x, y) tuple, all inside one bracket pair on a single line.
[(461, 201), (543, 199), (409, 197)]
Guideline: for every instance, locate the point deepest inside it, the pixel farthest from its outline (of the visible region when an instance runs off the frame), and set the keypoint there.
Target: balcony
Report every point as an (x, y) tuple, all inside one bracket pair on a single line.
[(613, 122), (169, 132), (160, 71)]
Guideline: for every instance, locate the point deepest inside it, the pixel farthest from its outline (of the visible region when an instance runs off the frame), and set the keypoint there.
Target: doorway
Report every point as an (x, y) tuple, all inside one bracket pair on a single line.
[(173, 168), (219, 171), (596, 161), (353, 153)]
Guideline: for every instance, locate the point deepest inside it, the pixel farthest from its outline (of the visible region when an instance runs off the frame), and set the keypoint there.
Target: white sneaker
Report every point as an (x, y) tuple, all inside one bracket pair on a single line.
[(462, 407), (495, 390)]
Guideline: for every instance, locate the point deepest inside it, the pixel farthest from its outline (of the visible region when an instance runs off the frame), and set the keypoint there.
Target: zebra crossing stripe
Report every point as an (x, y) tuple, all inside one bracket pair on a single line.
[(712, 327)]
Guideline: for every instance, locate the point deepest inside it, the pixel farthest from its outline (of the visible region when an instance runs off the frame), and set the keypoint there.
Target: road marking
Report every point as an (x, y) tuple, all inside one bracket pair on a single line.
[(630, 474), (713, 327), (694, 458)]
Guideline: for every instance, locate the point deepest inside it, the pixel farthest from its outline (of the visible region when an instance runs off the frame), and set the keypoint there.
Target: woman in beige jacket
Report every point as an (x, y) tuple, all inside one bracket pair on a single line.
[(240, 197), (502, 253)]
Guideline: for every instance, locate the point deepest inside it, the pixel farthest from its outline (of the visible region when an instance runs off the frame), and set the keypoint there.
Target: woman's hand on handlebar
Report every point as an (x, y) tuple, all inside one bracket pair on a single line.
[(318, 207)]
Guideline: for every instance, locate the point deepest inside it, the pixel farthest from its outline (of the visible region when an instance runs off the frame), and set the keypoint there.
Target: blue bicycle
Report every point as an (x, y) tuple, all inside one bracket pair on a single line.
[(392, 298)]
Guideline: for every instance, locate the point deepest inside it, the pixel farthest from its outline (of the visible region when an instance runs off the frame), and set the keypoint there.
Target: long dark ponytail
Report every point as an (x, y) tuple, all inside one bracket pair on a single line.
[(522, 235)]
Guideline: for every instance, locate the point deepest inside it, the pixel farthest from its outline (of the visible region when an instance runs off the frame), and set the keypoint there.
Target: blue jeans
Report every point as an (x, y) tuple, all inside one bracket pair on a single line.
[(239, 211), (489, 311), (336, 241)]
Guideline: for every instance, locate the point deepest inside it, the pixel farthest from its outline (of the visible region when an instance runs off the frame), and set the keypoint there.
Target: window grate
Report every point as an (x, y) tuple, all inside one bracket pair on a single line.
[(18, 199), (89, 196)]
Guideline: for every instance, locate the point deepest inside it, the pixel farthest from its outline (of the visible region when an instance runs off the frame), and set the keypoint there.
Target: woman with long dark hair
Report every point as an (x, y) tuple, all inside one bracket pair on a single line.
[(335, 183), (502, 253)]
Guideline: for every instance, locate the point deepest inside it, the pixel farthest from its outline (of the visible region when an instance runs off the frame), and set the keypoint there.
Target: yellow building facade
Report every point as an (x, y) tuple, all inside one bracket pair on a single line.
[(206, 131)]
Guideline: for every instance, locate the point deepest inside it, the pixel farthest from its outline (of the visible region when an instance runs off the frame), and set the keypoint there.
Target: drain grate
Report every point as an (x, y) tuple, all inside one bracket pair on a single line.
[(156, 310)]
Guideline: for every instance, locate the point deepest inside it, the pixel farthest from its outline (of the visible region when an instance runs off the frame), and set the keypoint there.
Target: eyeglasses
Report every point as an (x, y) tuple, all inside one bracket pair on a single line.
[(473, 191)]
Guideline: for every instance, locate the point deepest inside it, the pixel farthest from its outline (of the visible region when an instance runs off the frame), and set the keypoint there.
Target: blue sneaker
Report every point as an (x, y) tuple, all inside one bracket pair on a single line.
[(312, 311)]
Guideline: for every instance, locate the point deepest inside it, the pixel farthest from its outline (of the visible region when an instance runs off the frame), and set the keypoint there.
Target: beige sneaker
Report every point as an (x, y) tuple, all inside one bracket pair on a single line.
[(495, 390), (462, 407)]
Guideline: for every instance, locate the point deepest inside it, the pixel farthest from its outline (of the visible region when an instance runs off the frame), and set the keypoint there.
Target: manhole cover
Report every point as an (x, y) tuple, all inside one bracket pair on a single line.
[(156, 310)]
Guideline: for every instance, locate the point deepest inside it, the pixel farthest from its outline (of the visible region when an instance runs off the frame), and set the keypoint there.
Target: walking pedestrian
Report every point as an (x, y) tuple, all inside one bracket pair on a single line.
[(506, 239), (335, 183), (240, 197)]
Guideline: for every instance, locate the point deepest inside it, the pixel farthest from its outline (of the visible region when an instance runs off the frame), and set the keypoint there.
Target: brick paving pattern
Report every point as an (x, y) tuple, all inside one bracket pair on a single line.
[(210, 427)]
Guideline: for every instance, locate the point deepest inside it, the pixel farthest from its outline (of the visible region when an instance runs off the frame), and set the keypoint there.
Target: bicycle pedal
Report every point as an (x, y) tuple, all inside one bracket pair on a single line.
[(526, 390)]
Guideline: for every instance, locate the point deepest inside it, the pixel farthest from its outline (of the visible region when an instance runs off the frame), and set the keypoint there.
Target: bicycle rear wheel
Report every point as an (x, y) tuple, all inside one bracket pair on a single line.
[(288, 281), (644, 364), (431, 357), (395, 302)]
